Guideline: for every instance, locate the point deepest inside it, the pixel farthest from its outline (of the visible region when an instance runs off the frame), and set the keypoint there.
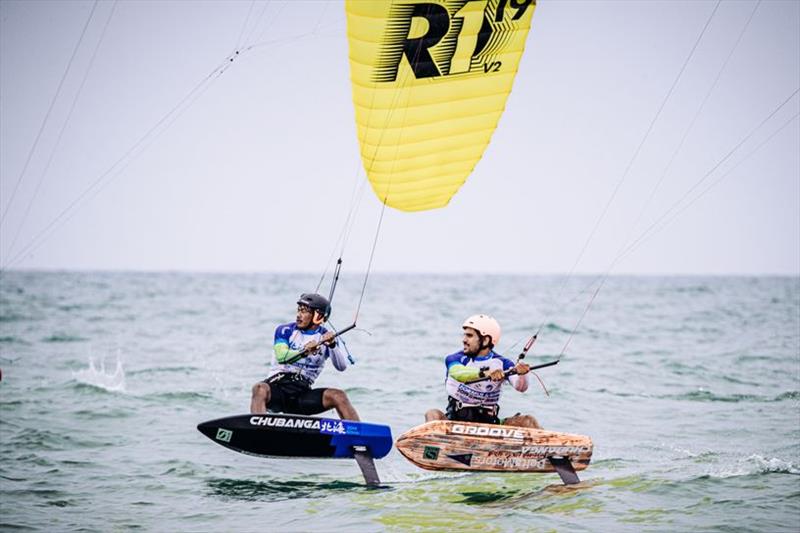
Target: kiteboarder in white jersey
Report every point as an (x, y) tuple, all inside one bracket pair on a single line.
[(300, 350), (478, 402)]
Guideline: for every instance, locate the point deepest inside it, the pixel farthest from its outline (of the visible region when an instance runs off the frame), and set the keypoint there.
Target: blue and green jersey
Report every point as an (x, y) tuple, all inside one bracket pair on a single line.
[(289, 341), (462, 368)]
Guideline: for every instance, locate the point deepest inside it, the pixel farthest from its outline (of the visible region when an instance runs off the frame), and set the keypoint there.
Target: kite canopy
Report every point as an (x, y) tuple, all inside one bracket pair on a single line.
[(430, 81)]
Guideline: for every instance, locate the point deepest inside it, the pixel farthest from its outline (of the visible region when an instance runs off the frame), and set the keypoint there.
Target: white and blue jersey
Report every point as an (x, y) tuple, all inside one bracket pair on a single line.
[(485, 393), (289, 340)]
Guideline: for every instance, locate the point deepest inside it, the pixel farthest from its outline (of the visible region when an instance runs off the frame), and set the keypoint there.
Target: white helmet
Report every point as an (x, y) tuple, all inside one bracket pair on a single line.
[(485, 325)]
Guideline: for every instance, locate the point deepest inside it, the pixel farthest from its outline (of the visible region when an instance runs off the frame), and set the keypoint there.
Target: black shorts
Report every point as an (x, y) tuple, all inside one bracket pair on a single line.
[(482, 415), (289, 395)]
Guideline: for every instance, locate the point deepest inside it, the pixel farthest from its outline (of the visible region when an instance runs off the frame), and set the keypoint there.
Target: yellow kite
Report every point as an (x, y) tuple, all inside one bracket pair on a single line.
[(430, 81)]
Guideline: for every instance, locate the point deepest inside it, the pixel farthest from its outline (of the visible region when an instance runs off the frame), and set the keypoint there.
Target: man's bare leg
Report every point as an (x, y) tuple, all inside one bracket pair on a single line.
[(434, 414), (525, 421), (260, 398), (338, 399)]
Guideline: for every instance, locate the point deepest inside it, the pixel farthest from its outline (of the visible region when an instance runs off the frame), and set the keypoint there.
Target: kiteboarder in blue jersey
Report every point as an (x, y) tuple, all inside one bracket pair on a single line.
[(469, 400), (300, 350)]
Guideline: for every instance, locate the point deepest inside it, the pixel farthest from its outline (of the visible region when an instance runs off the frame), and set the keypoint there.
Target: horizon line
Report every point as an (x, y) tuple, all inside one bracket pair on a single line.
[(134, 270)]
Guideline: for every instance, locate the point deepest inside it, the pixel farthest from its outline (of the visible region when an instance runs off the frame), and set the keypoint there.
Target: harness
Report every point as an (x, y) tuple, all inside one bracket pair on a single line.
[(456, 410), (284, 377)]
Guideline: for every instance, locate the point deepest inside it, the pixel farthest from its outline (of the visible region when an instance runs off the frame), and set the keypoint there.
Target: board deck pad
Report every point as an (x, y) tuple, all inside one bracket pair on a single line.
[(285, 435), (448, 445)]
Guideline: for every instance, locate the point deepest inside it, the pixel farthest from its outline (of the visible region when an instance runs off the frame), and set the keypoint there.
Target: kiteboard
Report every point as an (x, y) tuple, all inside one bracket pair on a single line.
[(449, 445), (286, 435)]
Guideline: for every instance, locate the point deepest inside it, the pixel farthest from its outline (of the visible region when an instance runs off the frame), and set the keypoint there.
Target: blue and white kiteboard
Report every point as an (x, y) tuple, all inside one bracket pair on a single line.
[(287, 435)]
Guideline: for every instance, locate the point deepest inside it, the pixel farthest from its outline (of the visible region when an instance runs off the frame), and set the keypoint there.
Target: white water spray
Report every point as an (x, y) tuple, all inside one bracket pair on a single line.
[(99, 377)]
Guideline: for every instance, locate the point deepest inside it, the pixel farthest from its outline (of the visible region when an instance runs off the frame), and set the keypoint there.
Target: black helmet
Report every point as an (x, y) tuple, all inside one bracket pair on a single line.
[(316, 302)]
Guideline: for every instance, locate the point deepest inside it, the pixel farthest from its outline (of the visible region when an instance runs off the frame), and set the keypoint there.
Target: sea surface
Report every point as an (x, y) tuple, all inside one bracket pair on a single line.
[(689, 387)]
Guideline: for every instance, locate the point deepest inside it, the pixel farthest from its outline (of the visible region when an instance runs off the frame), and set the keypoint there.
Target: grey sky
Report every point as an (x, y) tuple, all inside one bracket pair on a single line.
[(257, 172)]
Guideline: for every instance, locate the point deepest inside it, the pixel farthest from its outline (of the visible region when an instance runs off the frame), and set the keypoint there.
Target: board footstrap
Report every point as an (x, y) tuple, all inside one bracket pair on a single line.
[(565, 470), (367, 465)]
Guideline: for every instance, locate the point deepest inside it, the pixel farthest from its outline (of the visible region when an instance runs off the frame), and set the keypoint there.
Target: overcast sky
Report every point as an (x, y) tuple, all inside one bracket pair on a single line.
[(152, 158)]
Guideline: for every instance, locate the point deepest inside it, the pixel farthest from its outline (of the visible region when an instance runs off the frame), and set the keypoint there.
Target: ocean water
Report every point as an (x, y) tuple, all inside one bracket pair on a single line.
[(689, 387)]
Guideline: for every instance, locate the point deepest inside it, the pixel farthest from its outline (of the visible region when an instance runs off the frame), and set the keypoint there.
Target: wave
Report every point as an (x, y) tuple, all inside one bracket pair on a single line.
[(789, 395), (736, 381), (86, 414), (73, 307), (14, 317), (484, 497), (412, 393), (394, 476), (543, 494), (699, 289), (179, 395), (49, 497), (611, 463), (621, 394), (749, 358), (708, 396), (703, 395), (33, 440), (754, 465), (553, 327), (362, 390), (62, 503), (39, 493), (64, 337), (10, 339), (682, 453), (164, 369), (275, 490), (98, 377), (181, 469)]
